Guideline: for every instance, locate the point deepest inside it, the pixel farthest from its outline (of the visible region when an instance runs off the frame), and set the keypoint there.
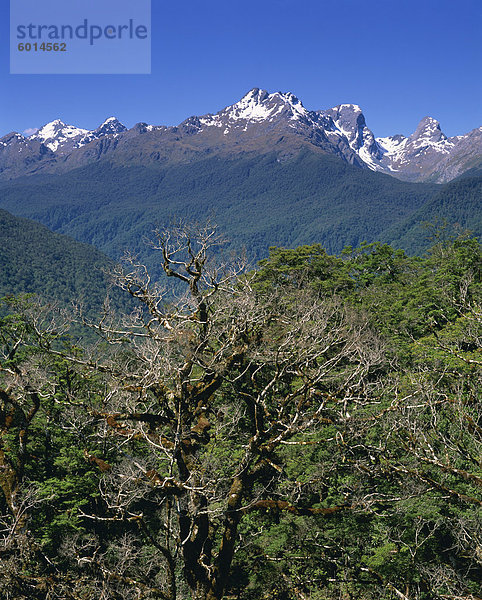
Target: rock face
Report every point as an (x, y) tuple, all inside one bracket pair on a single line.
[(110, 126), (428, 154), (20, 156), (348, 122), (260, 122)]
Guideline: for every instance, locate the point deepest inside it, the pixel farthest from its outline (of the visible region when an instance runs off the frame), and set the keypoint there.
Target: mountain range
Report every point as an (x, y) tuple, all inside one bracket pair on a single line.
[(268, 171), (260, 122)]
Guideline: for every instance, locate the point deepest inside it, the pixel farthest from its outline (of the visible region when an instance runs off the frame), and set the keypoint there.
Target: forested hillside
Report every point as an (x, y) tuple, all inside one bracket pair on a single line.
[(258, 201), (35, 260), (311, 429), (457, 204)]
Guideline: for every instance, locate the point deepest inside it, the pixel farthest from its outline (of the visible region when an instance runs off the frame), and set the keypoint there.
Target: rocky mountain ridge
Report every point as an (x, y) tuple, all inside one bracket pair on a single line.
[(259, 122)]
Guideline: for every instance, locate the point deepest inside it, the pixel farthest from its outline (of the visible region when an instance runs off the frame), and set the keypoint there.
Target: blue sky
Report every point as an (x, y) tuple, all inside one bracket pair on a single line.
[(400, 60)]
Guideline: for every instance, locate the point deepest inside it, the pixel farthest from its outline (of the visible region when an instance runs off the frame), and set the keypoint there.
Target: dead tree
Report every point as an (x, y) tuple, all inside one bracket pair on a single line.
[(211, 388)]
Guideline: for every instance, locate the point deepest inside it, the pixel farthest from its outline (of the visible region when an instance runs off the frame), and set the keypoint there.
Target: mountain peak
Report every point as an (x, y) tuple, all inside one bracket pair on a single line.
[(50, 128), (429, 128), (56, 134), (111, 125), (349, 107), (428, 121), (256, 95), (347, 111), (347, 118), (110, 120), (260, 105)]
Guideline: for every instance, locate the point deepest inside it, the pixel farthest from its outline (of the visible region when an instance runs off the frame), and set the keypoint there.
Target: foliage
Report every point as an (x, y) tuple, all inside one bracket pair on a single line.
[(311, 429), (256, 199), (34, 260)]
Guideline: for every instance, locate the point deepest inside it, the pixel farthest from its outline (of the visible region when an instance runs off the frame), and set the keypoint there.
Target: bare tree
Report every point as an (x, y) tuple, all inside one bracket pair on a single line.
[(203, 394), (198, 409)]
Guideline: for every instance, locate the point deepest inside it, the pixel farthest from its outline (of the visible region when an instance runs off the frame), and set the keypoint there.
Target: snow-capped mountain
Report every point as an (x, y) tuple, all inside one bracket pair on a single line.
[(108, 127), (56, 135), (348, 122), (278, 118), (258, 106), (425, 155), (20, 155), (428, 154), (62, 138), (260, 122)]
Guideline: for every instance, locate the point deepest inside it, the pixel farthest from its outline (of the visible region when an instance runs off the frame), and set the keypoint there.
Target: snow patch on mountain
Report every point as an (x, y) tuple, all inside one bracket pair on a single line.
[(56, 133), (418, 154), (348, 124), (393, 149), (111, 126), (58, 136), (257, 106)]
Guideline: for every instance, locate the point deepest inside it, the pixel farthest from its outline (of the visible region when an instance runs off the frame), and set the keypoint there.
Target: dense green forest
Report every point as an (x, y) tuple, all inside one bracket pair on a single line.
[(35, 260), (458, 202), (257, 200), (308, 430)]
